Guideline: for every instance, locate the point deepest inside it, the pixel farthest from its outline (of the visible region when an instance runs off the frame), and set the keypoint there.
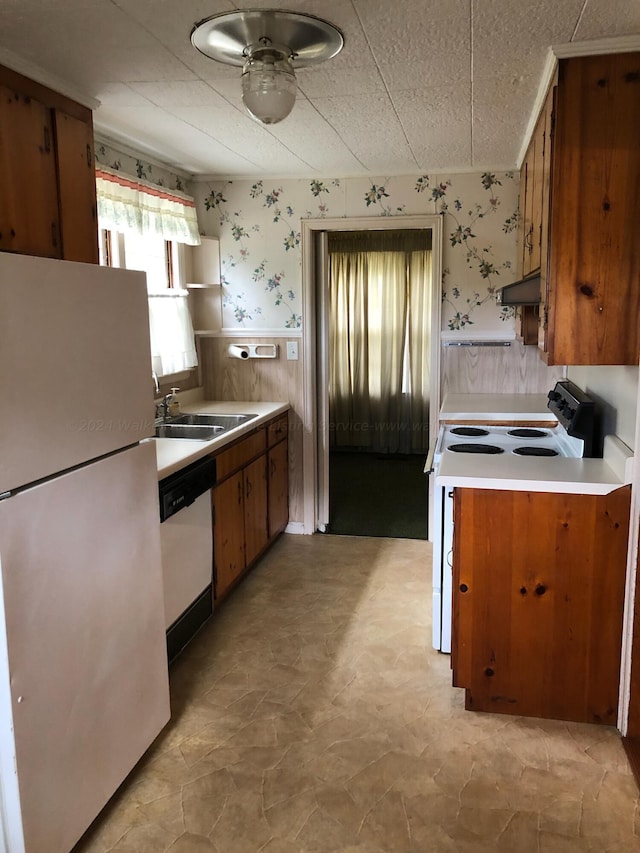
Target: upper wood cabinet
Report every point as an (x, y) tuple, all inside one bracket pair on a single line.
[(590, 251), (531, 199), (47, 173)]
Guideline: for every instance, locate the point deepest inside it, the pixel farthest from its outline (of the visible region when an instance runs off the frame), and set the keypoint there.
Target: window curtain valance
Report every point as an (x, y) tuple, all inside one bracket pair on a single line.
[(131, 204)]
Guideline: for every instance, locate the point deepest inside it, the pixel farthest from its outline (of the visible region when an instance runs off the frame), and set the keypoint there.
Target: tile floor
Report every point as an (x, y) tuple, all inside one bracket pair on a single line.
[(311, 714)]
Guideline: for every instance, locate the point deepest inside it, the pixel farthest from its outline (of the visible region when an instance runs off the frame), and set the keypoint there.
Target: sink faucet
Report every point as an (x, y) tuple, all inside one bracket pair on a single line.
[(162, 407)]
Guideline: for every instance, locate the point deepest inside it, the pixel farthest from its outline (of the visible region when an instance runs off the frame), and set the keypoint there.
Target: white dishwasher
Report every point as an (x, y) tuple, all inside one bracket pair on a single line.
[(186, 542)]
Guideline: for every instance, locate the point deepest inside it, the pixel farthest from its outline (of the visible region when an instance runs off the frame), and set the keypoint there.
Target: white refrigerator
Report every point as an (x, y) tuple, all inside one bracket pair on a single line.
[(83, 666)]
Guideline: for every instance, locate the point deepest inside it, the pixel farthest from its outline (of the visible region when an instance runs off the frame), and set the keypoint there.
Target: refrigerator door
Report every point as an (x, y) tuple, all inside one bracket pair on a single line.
[(75, 365), (82, 608)]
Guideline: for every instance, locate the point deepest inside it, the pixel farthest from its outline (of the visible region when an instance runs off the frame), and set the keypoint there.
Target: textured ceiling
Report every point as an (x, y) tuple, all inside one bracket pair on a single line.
[(421, 85)]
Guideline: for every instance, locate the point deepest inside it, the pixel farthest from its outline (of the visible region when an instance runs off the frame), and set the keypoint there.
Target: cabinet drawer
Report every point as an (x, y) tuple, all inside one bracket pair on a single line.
[(240, 453), (278, 429)]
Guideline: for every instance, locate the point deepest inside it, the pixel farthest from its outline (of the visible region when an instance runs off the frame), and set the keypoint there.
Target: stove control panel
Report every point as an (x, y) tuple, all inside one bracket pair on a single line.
[(575, 410)]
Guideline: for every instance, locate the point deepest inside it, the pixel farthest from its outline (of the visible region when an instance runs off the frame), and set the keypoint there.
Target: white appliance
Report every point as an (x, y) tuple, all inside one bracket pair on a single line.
[(572, 436), (186, 540), (83, 669)]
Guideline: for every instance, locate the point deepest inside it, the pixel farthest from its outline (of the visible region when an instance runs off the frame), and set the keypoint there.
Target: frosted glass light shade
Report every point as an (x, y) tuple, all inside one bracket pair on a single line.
[(268, 87)]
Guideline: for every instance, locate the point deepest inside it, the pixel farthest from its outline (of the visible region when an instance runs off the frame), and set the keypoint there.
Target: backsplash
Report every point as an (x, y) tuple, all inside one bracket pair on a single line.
[(615, 391), (258, 223)]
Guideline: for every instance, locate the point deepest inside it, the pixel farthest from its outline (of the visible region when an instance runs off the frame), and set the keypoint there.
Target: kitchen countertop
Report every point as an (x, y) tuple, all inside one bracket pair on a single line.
[(495, 407), (172, 454), (530, 474)]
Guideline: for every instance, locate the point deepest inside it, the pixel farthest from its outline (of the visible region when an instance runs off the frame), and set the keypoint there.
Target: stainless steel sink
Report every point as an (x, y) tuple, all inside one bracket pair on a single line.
[(224, 421), (198, 433), (200, 427)]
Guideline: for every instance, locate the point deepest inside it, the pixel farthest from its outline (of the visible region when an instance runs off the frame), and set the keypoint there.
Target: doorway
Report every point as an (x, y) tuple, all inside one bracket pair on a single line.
[(363, 477), (379, 318)]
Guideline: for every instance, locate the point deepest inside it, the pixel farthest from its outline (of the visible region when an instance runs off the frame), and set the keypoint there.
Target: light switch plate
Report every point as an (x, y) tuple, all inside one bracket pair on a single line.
[(292, 350)]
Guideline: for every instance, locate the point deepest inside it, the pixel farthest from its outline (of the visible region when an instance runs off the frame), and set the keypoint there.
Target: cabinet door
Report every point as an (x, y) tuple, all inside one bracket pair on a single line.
[(29, 219), (547, 168), (77, 188), (594, 294), (524, 221), (538, 602), (255, 508), (278, 488), (228, 533)]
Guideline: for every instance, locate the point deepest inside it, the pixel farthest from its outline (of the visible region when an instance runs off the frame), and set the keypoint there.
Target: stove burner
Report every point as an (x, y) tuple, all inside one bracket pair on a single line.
[(472, 432), (535, 451), (475, 448), (527, 433)]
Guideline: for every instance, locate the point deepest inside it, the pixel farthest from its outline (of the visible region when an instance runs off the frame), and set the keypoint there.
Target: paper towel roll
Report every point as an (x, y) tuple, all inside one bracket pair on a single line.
[(236, 351)]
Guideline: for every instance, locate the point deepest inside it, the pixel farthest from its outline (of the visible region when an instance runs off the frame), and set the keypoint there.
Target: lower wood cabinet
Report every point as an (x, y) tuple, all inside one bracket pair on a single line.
[(250, 503), (538, 594), (278, 464)]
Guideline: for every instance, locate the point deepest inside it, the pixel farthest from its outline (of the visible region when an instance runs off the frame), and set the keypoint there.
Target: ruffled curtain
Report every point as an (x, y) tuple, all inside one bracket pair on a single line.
[(130, 204), (172, 339)]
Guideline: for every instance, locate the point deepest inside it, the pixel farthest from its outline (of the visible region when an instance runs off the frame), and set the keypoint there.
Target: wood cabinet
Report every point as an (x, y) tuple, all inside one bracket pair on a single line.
[(278, 463), (534, 214), (47, 173), (538, 593), (590, 255), (250, 501)]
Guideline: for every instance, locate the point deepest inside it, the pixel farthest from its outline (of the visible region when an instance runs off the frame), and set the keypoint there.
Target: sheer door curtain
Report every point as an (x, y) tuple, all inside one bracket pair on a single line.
[(379, 340)]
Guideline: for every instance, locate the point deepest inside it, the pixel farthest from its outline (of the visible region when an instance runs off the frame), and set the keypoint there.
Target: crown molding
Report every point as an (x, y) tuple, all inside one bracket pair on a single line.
[(45, 78), (617, 44)]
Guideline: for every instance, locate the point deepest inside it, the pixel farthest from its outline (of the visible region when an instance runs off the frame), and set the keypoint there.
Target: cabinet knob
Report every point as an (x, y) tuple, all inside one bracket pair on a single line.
[(463, 587), (541, 589), (488, 671)]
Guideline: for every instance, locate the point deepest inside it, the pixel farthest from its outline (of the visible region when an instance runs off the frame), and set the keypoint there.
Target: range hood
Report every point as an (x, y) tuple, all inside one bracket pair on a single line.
[(523, 292)]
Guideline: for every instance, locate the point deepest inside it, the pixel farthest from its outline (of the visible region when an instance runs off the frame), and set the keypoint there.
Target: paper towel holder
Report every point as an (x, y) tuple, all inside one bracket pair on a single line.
[(245, 351)]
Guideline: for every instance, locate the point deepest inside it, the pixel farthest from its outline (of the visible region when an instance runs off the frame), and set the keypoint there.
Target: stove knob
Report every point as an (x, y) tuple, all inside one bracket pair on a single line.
[(569, 412), (553, 396)]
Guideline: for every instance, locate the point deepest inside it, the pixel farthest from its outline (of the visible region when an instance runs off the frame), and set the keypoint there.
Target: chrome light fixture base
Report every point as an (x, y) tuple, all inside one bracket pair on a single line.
[(268, 44)]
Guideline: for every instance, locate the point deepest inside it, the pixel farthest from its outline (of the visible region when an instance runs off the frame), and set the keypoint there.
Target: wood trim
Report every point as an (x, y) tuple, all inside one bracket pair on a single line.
[(46, 96)]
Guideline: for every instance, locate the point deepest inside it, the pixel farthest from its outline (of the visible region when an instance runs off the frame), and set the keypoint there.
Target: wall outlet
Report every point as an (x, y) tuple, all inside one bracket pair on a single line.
[(292, 350)]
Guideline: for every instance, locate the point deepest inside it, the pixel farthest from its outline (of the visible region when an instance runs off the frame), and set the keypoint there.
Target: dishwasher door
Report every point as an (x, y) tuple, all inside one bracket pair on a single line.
[(186, 541)]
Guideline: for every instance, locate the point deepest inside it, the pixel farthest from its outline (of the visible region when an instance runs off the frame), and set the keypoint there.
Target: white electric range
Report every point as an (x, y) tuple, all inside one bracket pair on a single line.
[(567, 431)]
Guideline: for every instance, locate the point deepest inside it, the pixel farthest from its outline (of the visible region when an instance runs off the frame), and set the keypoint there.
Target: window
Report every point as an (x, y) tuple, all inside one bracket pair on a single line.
[(172, 340)]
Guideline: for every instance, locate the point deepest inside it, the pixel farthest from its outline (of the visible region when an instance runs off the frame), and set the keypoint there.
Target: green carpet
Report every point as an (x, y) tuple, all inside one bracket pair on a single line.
[(371, 495)]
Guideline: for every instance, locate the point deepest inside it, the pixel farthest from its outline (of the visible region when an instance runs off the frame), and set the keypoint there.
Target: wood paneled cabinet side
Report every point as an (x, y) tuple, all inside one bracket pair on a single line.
[(538, 602), (593, 288), (47, 172)]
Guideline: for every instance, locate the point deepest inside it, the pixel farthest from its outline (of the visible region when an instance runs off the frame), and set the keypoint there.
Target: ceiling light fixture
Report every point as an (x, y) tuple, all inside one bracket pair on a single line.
[(268, 44)]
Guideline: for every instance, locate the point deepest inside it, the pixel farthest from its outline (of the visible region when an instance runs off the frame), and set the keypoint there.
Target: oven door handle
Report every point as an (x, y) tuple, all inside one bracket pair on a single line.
[(428, 465)]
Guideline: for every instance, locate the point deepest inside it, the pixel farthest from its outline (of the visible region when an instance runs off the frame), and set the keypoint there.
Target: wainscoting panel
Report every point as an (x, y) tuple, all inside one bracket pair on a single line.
[(262, 380), (516, 369)]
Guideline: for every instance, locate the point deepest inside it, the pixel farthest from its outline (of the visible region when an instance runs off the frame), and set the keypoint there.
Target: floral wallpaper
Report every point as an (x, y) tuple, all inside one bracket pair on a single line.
[(107, 155), (258, 223)]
